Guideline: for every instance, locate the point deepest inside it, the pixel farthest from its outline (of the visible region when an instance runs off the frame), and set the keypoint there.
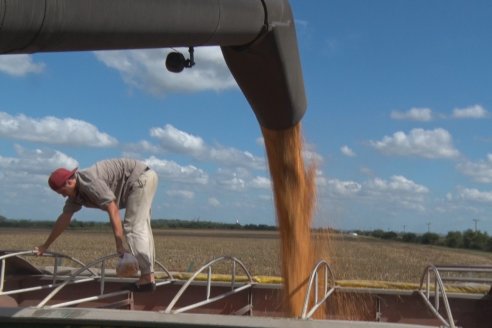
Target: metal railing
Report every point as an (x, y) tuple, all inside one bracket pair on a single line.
[(439, 291), (328, 287), (75, 277), (453, 273), (169, 274), (56, 256), (102, 295), (234, 288)]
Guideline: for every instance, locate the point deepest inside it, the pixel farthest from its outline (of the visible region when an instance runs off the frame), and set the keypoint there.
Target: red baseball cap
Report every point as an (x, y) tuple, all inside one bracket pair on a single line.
[(59, 176)]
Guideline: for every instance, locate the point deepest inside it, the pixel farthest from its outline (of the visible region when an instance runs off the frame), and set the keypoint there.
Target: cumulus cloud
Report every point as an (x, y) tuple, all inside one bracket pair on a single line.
[(385, 194), (53, 130), (397, 190), (172, 139), (347, 151), (185, 194), (261, 183), (475, 111), (431, 144), (37, 160), (214, 202), (172, 171), (480, 171), (24, 178), (146, 70), (343, 188), (414, 114), (472, 194), (234, 157), (178, 141), (141, 147), (396, 183), (234, 183), (20, 65), (235, 180)]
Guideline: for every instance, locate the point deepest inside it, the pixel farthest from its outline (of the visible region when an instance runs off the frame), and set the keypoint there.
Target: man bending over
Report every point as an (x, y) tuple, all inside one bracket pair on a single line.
[(111, 185)]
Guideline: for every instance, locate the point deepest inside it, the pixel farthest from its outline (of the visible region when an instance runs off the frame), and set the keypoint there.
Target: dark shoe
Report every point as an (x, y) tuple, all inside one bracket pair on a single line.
[(143, 288)]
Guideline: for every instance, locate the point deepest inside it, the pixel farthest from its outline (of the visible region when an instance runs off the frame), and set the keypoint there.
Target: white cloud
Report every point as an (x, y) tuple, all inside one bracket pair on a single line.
[(179, 141), (234, 183), (390, 196), (185, 194), (53, 130), (397, 183), (480, 171), (414, 114), (476, 195), (475, 111), (141, 147), (261, 183), (174, 140), (320, 179), (146, 70), (214, 202), (432, 144), (19, 65), (172, 171), (27, 173), (397, 191), (232, 180), (347, 151), (37, 161), (234, 157), (344, 188)]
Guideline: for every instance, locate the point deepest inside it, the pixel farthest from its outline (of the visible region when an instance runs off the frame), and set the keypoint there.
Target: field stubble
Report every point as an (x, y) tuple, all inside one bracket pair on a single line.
[(187, 250)]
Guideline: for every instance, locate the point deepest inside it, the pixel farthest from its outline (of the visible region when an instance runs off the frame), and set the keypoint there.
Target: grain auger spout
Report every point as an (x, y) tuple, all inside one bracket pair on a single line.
[(257, 38)]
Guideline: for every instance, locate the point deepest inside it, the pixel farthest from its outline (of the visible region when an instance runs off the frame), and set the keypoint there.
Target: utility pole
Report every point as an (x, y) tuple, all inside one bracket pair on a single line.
[(428, 227), (476, 221), (404, 228)]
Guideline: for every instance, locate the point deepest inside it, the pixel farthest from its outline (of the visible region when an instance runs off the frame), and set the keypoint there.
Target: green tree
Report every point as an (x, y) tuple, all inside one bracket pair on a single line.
[(409, 237), (389, 235), (454, 239), (378, 233), (430, 238), (475, 239)]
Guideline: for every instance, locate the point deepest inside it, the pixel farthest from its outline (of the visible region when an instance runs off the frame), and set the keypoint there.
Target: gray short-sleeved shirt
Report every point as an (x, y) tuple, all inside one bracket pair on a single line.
[(104, 182)]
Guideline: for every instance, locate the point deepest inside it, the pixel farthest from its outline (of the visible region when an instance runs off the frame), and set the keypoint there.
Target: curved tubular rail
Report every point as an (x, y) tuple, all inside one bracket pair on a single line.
[(102, 295), (56, 256), (208, 299), (438, 291), (329, 279), (72, 278), (169, 274)]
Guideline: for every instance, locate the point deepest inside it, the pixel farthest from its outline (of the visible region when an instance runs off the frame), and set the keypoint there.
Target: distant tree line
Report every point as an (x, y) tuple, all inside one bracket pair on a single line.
[(158, 224), (468, 239)]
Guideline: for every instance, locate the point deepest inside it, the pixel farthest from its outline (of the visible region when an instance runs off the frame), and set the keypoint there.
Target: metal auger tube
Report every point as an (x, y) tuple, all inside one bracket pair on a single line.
[(257, 37)]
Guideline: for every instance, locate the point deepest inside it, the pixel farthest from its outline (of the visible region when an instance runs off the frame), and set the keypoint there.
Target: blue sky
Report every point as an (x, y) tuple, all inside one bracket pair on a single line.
[(398, 121)]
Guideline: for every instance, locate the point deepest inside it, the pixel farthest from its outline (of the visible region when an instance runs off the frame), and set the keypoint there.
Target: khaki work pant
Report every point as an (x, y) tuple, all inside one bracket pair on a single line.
[(136, 224)]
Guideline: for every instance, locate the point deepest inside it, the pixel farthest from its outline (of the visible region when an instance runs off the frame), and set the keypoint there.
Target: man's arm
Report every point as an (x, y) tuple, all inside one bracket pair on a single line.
[(60, 225), (114, 217)]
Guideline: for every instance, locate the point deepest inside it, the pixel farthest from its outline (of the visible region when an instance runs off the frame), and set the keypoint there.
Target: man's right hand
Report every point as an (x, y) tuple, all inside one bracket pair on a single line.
[(121, 251), (39, 250)]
